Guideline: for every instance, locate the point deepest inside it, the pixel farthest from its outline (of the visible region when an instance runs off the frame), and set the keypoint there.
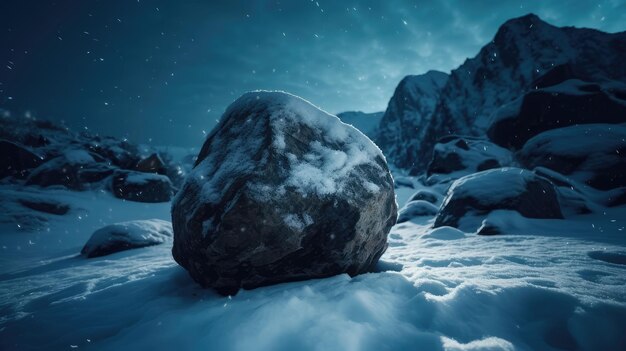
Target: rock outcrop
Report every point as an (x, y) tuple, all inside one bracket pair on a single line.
[(282, 191)]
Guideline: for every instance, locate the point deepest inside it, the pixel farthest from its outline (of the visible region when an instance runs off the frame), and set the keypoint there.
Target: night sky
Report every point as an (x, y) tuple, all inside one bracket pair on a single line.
[(162, 72)]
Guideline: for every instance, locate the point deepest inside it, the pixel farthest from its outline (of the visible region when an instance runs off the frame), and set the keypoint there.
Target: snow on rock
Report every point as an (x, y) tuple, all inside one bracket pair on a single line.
[(16, 160), (475, 195), (588, 153), (142, 187), (410, 107), (64, 170), (282, 191), (127, 235), (417, 208), (456, 156), (568, 103)]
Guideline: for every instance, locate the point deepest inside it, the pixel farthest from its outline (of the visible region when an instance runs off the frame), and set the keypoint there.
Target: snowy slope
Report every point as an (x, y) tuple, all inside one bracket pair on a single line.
[(522, 50), (367, 123), (550, 284), (407, 116)]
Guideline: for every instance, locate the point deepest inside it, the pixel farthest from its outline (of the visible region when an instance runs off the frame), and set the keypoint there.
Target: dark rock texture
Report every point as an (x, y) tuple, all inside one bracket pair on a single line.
[(589, 153), (16, 160), (282, 191), (468, 154), (499, 189), (572, 102), (127, 235), (46, 206), (141, 187), (152, 164)]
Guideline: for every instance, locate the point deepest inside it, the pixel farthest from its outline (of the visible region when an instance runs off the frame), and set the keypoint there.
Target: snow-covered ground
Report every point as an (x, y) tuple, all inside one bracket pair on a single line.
[(554, 284)]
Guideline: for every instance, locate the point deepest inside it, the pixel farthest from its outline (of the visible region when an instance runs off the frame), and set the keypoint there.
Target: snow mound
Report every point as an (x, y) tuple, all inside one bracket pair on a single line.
[(127, 235), (417, 208)]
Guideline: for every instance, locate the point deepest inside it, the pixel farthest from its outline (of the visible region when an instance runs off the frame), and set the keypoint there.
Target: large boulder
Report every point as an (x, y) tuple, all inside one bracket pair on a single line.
[(592, 153), (478, 194), (568, 103), (141, 187), (16, 160), (127, 235), (282, 191)]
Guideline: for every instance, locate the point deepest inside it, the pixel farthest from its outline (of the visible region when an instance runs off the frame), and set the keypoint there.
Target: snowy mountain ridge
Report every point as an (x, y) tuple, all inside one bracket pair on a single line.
[(523, 50)]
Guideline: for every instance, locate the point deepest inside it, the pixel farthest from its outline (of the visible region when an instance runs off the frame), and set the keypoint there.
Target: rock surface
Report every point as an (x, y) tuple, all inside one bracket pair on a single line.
[(571, 102), (16, 160), (127, 235), (282, 191), (62, 170), (141, 187), (589, 153), (457, 156), (498, 189)]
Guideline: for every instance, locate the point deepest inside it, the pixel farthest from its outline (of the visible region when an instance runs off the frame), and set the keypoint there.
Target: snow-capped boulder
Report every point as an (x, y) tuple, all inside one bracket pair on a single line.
[(571, 102), (62, 170), (457, 156), (127, 235), (282, 191), (417, 208), (478, 194), (16, 160), (408, 113), (119, 153), (426, 195), (141, 187), (589, 153)]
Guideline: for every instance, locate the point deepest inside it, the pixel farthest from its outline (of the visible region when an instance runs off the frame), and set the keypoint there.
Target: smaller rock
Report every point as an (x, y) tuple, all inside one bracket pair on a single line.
[(141, 187), (46, 205), (571, 102), (127, 235), (425, 195), (456, 156), (596, 157), (152, 164), (403, 181), (62, 170), (418, 208), (499, 189), (16, 160), (488, 228)]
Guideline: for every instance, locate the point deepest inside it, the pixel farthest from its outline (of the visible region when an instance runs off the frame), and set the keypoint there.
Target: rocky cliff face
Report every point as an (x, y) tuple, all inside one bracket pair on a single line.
[(523, 50), (407, 115)]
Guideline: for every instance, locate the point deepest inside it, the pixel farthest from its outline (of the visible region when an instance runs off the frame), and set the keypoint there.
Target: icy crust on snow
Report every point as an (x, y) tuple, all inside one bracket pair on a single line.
[(127, 235), (321, 170)]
